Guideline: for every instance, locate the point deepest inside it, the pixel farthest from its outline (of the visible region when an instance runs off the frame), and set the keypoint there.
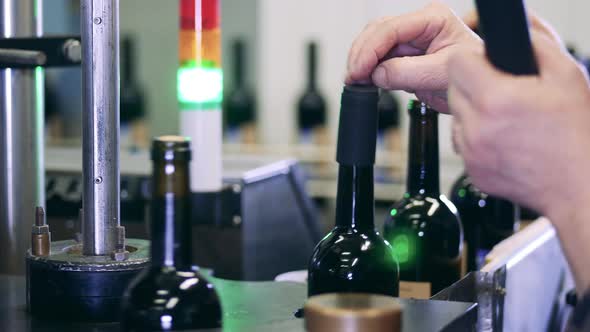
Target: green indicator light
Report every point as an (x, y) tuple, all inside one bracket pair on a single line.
[(407, 195), (40, 93), (200, 85), (393, 212), (401, 247), (462, 193)]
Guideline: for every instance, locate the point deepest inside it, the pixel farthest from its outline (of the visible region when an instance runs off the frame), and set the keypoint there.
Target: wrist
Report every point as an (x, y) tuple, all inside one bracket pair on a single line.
[(571, 219)]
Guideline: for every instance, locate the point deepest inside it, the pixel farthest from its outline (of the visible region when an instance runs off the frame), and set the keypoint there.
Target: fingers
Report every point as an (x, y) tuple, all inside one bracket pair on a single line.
[(551, 56), (426, 72), (464, 116), (472, 75), (471, 19), (375, 42), (538, 24)]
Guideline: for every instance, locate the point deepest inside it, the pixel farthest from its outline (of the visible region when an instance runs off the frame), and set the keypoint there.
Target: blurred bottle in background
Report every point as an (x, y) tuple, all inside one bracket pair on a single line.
[(240, 103), (389, 122), (134, 132), (487, 220), (54, 125), (388, 137), (311, 107)]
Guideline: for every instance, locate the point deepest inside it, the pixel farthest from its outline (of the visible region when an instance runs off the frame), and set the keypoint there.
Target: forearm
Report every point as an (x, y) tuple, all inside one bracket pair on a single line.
[(573, 229)]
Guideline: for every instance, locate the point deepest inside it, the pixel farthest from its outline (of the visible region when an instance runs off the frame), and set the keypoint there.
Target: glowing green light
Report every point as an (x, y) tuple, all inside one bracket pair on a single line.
[(401, 247), (393, 212), (407, 195), (462, 192), (200, 85)]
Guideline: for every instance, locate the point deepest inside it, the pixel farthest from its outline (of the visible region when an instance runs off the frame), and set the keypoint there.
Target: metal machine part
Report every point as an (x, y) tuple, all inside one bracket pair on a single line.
[(30, 52), (67, 285), (100, 93), (267, 225), (40, 235), (263, 205), (21, 148), (24, 57), (518, 278)]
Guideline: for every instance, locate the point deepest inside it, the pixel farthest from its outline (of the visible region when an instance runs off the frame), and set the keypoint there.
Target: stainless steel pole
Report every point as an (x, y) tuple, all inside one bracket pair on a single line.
[(22, 177), (100, 100)]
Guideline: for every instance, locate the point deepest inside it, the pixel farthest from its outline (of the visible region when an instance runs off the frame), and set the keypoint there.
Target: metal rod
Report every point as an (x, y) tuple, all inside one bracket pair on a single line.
[(22, 57), (21, 142), (100, 98)]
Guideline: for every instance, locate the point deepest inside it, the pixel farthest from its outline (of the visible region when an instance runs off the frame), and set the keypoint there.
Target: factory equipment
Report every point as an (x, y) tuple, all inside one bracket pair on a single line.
[(257, 222)]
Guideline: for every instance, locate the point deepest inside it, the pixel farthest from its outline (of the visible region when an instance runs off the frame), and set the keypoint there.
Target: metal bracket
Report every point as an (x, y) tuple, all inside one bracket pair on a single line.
[(28, 53)]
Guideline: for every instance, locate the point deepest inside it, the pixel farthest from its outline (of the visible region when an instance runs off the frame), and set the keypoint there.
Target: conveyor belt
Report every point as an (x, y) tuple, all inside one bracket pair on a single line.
[(248, 307)]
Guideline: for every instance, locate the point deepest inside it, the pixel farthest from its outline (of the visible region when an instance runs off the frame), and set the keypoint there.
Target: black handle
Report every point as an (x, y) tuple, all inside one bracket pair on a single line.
[(504, 27)]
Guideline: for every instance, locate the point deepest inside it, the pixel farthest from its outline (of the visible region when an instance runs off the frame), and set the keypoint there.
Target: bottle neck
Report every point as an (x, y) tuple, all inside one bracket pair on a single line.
[(239, 64), (354, 201), (127, 70), (170, 216), (312, 68), (423, 163)]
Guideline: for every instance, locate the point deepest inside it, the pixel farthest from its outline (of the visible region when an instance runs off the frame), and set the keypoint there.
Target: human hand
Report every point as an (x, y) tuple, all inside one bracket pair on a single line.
[(411, 52), (527, 138), (523, 137)]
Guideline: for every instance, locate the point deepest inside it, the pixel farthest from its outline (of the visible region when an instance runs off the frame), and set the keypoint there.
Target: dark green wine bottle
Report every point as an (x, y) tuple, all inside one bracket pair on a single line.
[(354, 257), (170, 294), (240, 103), (424, 228), (487, 220), (311, 107)]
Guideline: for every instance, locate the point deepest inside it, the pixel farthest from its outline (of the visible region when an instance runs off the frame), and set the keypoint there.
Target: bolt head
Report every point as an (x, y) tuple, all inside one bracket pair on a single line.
[(237, 220), (120, 255), (73, 50)]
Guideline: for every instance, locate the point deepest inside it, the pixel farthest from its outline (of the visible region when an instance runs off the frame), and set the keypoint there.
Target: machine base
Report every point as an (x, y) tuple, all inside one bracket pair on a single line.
[(69, 286)]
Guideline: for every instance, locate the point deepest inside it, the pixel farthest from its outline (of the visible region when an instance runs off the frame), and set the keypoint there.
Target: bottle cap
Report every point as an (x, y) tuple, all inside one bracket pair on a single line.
[(357, 130), (171, 148), (353, 312)]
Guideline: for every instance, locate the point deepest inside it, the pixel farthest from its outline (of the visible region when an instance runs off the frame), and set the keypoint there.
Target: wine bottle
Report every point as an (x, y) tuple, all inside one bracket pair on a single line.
[(389, 121), (132, 101), (487, 220), (424, 228), (354, 257), (311, 108), (240, 109), (170, 294)]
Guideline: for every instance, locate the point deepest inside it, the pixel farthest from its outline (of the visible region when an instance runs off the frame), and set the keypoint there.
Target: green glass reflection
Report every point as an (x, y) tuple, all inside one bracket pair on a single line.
[(401, 247), (462, 192)]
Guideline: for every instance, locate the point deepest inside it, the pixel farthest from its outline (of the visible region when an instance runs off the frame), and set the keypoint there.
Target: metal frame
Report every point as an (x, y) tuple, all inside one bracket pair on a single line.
[(100, 91), (21, 138)]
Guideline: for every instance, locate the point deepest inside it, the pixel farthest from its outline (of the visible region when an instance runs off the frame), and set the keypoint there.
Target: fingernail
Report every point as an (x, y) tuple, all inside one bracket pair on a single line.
[(380, 76)]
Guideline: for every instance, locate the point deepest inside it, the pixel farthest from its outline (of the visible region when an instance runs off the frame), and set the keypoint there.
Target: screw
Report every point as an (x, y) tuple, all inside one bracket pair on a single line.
[(72, 50), (120, 256), (39, 216), (40, 235), (97, 20), (237, 220), (98, 180)]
